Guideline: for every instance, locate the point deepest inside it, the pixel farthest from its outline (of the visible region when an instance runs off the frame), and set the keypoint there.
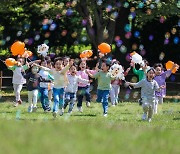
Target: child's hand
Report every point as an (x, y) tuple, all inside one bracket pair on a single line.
[(101, 55), (127, 84), (132, 64), (90, 81), (163, 86), (176, 66)]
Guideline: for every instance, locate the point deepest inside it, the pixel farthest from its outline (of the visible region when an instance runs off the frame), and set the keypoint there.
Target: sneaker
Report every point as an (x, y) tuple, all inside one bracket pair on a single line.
[(61, 112), (34, 109), (88, 104), (113, 105), (149, 119), (144, 116), (140, 101), (54, 114), (70, 111), (16, 104), (30, 109), (20, 101), (105, 115), (80, 109)]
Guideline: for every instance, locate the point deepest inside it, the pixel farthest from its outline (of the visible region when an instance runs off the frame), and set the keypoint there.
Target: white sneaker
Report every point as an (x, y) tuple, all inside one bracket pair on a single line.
[(149, 119), (34, 109), (16, 104), (105, 114), (30, 109), (113, 105), (61, 112), (80, 109), (144, 116), (88, 104), (54, 114)]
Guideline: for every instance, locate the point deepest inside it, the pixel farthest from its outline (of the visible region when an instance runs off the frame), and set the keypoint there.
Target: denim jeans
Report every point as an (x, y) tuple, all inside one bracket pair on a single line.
[(58, 95), (44, 98), (83, 91), (70, 97), (102, 96)]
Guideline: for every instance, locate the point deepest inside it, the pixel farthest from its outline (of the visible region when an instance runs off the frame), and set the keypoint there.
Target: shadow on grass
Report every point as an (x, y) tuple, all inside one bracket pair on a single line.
[(176, 118), (84, 115), (126, 113)]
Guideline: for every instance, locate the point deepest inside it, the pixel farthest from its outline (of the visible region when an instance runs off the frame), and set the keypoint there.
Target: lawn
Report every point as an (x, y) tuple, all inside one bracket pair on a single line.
[(89, 132)]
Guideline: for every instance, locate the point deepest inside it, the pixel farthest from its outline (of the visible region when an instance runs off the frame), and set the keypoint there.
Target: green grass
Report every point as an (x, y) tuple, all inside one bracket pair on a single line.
[(89, 132)]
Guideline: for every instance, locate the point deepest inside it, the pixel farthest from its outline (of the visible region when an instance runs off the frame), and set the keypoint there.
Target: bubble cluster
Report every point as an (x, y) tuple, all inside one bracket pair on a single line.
[(161, 56)]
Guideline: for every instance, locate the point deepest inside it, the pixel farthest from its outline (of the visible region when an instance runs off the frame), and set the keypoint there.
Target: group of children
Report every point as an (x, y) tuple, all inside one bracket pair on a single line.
[(63, 81)]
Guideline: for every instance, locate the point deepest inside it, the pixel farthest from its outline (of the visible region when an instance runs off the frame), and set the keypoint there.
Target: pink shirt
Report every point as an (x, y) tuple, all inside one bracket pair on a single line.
[(85, 76)]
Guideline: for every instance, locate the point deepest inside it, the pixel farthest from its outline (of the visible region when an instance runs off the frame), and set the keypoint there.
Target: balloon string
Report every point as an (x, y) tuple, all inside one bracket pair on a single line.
[(128, 86)]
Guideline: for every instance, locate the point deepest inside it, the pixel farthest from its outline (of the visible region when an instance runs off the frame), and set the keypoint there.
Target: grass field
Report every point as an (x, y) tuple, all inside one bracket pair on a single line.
[(89, 132)]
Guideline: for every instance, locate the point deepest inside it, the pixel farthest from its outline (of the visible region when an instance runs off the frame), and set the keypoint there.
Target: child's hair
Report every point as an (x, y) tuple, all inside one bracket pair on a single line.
[(158, 65), (107, 62), (42, 61), (146, 62), (151, 69), (50, 62), (23, 59), (48, 58), (115, 62), (74, 65), (58, 59), (66, 57)]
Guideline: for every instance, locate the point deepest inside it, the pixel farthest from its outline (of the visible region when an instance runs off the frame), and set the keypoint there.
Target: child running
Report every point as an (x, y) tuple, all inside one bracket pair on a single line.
[(72, 87), (33, 79), (148, 87), (18, 79), (59, 73), (83, 89), (161, 80), (104, 85), (44, 84), (115, 86)]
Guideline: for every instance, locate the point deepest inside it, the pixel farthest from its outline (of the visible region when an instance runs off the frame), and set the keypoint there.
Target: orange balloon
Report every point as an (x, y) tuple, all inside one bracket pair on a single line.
[(169, 66), (27, 54), (86, 54), (104, 48), (10, 62), (17, 48)]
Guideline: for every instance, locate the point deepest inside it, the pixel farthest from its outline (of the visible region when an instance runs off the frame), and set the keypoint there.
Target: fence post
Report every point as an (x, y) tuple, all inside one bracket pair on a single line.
[(1, 76)]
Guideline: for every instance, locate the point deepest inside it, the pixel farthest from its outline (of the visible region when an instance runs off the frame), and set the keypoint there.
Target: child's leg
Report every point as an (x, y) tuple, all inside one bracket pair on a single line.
[(160, 100), (80, 96), (87, 94), (150, 111), (61, 98), (112, 95), (50, 94), (156, 105), (17, 90), (105, 100), (66, 100), (44, 99), (117, 90), (56, 99), (30, 97), (72, 102), (35, 96), (99, 96)]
